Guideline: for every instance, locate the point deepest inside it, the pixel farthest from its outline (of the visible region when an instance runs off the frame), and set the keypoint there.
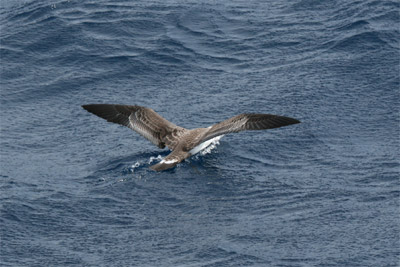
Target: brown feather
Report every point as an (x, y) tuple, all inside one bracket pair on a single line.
[(144, 121), (247, 121)]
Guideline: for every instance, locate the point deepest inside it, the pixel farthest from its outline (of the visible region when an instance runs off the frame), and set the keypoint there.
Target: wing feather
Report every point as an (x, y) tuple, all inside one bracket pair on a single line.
[(247, 121), (142, 120)]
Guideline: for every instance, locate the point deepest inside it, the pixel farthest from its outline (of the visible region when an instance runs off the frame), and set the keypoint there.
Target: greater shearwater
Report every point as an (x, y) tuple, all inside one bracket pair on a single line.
[(183, 142)]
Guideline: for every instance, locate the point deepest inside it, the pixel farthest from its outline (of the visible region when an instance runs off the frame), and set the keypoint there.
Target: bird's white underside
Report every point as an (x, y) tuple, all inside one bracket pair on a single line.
[(204, 145)]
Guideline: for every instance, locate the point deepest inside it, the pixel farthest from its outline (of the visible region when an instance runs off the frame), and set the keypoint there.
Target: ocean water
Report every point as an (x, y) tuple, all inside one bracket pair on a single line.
[(76, 190)]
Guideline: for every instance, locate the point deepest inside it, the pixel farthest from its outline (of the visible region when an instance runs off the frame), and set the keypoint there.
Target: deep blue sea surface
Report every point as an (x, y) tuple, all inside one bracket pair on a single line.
[(76, 190)]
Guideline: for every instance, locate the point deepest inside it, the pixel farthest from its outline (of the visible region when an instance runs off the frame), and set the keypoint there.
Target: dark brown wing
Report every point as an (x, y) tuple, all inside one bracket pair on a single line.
[(144, 121), (244, 122)]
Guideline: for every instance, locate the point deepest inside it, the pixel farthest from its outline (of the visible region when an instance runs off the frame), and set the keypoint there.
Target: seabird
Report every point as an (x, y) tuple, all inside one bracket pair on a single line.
[(183, 142)]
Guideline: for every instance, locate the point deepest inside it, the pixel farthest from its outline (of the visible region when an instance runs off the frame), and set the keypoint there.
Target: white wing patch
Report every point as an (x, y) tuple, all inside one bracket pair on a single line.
[(168, 161)]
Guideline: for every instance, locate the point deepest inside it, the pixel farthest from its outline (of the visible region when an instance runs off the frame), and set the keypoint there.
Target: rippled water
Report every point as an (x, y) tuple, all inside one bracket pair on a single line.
[(76, 190)]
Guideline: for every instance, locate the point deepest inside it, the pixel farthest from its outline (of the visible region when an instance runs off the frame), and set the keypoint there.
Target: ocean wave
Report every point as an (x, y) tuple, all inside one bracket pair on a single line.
[(366, 41)]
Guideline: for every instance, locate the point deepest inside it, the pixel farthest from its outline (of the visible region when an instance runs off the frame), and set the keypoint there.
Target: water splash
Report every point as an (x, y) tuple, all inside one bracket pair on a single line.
[(140, 163), (134, 166), (158, 158)]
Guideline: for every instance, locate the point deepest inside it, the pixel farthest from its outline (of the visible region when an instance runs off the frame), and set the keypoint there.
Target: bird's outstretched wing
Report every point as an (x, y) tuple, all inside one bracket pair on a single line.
[(142, 120), (248, 121)]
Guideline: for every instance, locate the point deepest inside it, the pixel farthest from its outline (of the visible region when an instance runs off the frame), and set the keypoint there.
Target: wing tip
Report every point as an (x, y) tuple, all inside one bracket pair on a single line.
[(294, 121), (286, 121), (89, 107)]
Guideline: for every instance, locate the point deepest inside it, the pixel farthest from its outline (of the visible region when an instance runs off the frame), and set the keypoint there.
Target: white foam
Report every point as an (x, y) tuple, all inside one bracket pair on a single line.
[(159, 157), (134, 166), (137, 164)]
